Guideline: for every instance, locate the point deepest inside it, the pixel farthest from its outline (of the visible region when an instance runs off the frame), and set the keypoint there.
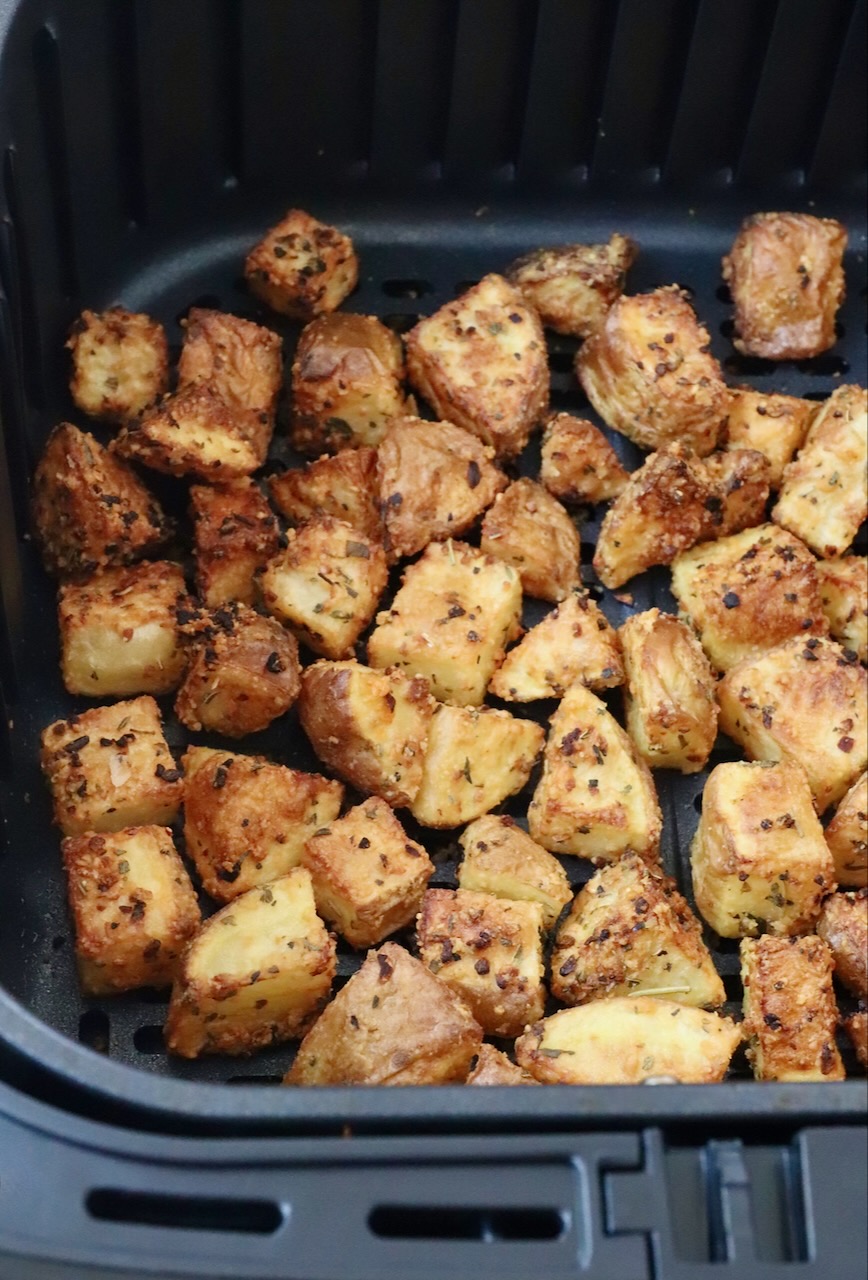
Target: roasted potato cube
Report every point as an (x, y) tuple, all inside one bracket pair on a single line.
[(393, 1023), (450, 621), (596, 797), (302, 267), (648, 371), (111, 768), (345, 487), (805, 701), (847, 836), (480, 362), (572, 286), (239, 360), (786, 275), (843, 926), (246, 820), (90, 509), (234, 534), (530, 530), (474, 759), (578, 463), (500, 859), (823, 497), (120, 363), (489, 951), (748, 593), (243, 672), (844, 597), (856, 1027), (575, 642), (626, 1040), (741, 481), (494, 1067), (193, 433), (774, 425), (368, 877), (258, 972), (759, 860), (119, 631), (435, 481), (133, 907), (790, 1012)]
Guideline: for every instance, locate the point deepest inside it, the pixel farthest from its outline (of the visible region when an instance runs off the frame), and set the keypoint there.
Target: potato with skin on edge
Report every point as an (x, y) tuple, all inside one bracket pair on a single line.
[(494, 1067), (344, 486), (843, 926), (774, 425), (578, 464), (194, 433), (847, 836), (120, 363), (239, 360), (572, 286), (844, 597), (500, 859), (575, 643), (234, 534), (741, 480), (302, 267), (530, 530)]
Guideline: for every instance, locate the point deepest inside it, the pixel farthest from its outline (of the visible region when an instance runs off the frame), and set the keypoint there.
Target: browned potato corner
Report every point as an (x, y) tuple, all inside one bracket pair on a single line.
[(302, 267), (530, 530), (344, 486), (120, 363), (575, 643), (235, 533), (578, 463), (572, 286)]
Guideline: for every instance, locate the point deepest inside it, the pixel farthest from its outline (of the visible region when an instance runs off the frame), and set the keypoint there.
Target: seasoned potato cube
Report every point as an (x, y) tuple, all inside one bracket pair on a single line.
[(844, 597), (790, 1013), (596, 797), (89, 508), (111, 768), (368, 877), (239, 360), (489, 951), (843, 926), (572, 286), (748, 593), (741, 481), (856, 1027), (345, 486), (234, 534), (246, 820), (302, 267), (786, 275), (669, 695), (480, 362), (530, 530), (649, 373), (119, 632), (133, 907), (804, 701), (435, 481), (630, 932), (578, 463), (500, 859), (823, 497), (451, 620), (759, 860), (774, 425), (258, 972), (474, 759), (628, 1039), (575, 642), (243, 672), (393, 1023), (120, 363), (847, 836), (494, 1067), (195, 433)]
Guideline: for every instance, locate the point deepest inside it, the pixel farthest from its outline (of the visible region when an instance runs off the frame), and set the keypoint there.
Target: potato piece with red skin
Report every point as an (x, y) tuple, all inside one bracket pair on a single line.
[(530, 530), (239, 360)]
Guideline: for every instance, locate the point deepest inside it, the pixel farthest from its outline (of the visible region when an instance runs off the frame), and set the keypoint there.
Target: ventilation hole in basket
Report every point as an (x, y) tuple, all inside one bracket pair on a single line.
[(152, 995), (723, 294), (561, 361), (732, 985), (400, 323), (58, 943), (254, 1080), (463, 285), (149, 1039), (727, 328), (406, 288), (94, 1030), (414, 1222), (827, 366), (748, 366), (189, 1213), (697, 802)]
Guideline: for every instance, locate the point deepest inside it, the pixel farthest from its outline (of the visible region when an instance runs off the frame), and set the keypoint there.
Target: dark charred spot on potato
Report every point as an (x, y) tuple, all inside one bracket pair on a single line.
[(274, 664), (77, 744), (386, 968), (846, 744), (167, 775), (229, 874), (138, 910), (809, 655), (766, 824), (767, 717), (568, 967), (772, 1021), (731, 600), (364, 843), (482, 966), (359, 550), (474, 475), (221, 773)]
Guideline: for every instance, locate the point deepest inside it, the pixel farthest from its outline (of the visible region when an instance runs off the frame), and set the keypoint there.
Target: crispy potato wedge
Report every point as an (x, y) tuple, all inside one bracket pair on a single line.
[(120, 363), (239, 360), (234, 534), (575, 643), (500, 859), (741, 479), (194, 433), (843, 925), (494, 1067), (572, 286), (790, 1012), (775, 425), (530, 530), (578, 463), (302, 267), (344, 486)]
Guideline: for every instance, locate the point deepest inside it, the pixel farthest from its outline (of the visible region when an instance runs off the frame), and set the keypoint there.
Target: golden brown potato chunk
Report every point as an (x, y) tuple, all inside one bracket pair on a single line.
[(370, 727), (805, 701), (302, 267), (393, 1023), (119, 631), (133, 907), (774, 425), (786, 275), (110, 768), (435, 481), (575, 642), (494, 1067), (480, 362), (628, 1039), (790, 1012), (344, 486), (748, 593), (368, 876), (669, 695), (120, 363), (596, 797), (234, 534), (649, 373), (239, 360), (346, 383), (530, 530), (194, 433), (856, 1027), (90, 509), (246, 820), (572, 286), (758, 858), (243, 672), (741, 481), (843, 926), (844, 597), (578, 463), (630, 932), (847, 836), (823, 497), (500, 859), (489, 951)]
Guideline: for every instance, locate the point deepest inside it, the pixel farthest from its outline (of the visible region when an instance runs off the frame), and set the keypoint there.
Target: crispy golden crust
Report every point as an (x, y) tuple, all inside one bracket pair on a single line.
[(393, 1023), (344, 486), (120, 363), (239, 360), (480, 362), (843, 925), (530, 530), (574, 643), (741, 479), (302, 267), (856, 1027), (246, 820), (648, 372), (578, 463), (805, 701), (572, 286), (847, 836), (786, 275), (194, 433), (133, 906), (844, 597), (500, 859), (494, 1067), (89, 508), (790, 1013), (774, 425), (234, 534)]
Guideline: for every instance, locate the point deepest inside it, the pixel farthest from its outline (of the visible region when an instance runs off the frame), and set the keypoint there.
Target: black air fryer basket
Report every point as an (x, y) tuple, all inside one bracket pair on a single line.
[(144, 146)]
